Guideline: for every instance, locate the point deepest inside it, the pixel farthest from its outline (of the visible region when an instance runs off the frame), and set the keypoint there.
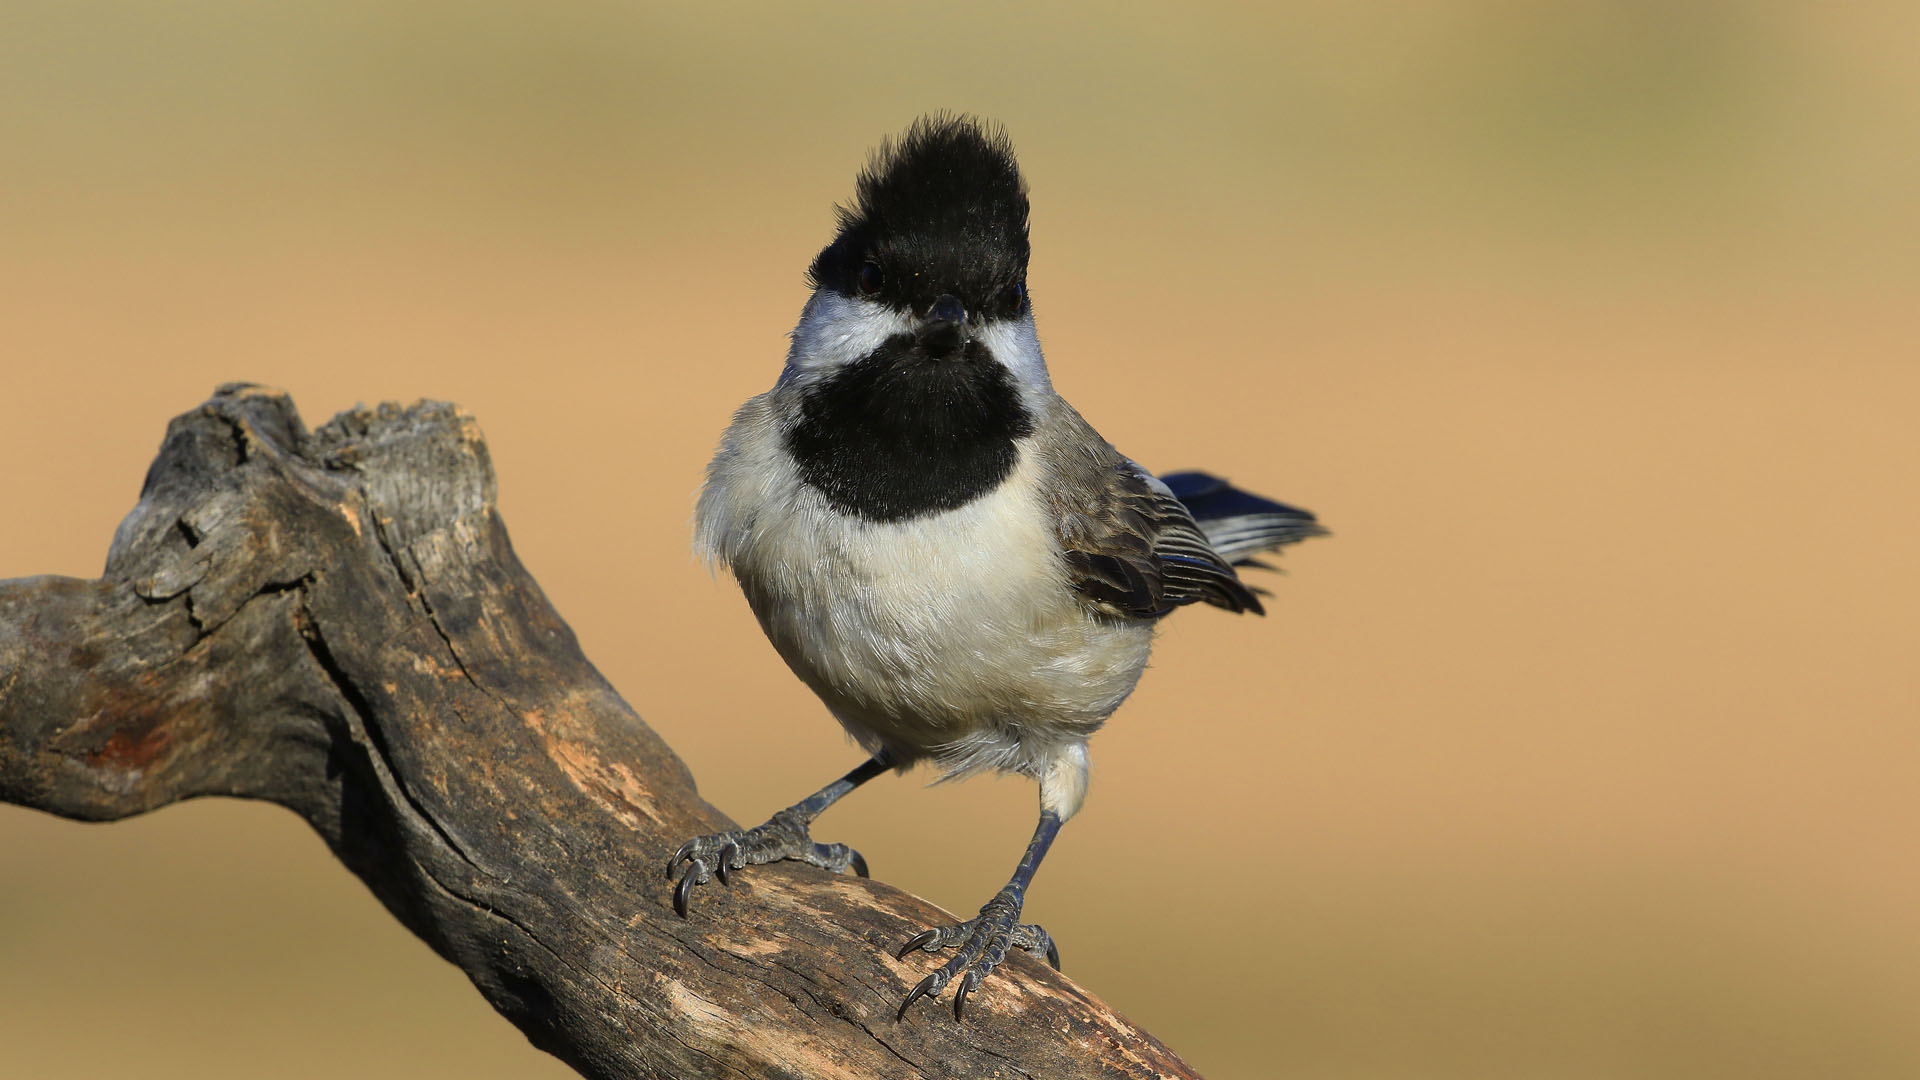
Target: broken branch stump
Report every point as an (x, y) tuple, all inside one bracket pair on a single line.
[(335, 621)]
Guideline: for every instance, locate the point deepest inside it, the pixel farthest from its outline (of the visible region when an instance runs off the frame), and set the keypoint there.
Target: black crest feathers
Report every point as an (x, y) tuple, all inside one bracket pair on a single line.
[(941, 210)]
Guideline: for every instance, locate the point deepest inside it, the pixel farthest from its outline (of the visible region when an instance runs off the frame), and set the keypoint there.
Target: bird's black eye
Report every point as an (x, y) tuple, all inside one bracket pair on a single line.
[(1016, 297), (871, 278)]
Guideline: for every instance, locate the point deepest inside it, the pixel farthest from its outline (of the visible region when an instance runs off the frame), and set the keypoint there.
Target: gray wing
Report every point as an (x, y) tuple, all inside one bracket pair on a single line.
[(1131, 547), (1240, 524)]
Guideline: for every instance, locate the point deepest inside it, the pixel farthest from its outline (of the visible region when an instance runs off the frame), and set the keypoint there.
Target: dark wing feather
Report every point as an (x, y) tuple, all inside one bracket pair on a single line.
[(1131, 547), (1239, 524)]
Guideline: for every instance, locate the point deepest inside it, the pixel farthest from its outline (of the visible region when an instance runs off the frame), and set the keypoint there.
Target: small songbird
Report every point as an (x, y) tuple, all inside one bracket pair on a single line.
[(961, 568)]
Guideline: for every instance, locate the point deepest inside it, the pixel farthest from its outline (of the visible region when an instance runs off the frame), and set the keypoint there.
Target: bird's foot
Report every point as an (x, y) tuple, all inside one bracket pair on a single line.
[(983, 942), (783, 837)]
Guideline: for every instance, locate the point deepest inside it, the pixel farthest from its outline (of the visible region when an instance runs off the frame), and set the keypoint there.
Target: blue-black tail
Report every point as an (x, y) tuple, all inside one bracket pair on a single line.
[(1239, 525)]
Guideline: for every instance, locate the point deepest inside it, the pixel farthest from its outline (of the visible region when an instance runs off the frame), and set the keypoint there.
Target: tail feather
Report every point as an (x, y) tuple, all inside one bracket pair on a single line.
[(1239, 524)]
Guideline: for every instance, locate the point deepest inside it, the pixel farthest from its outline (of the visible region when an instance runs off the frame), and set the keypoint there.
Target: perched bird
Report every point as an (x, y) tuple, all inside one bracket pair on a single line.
[(960, 567)]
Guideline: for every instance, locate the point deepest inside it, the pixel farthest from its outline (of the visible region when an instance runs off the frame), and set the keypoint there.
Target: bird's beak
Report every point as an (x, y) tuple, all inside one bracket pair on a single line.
[(943, 331)]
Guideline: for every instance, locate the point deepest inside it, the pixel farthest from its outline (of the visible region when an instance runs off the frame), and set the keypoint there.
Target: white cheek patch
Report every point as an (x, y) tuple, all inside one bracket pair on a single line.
[(835, 331), (1016, 344)]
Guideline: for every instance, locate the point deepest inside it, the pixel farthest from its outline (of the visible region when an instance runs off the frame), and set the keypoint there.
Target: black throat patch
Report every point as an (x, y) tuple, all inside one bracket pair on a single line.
[(897, 435)]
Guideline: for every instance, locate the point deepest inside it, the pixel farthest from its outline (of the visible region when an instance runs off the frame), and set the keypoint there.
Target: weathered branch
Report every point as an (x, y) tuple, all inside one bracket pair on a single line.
[(336, 622)]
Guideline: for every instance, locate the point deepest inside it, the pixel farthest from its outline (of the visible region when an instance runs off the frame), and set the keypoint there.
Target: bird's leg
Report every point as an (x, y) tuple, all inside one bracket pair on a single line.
[(784, 836), (985, 939)]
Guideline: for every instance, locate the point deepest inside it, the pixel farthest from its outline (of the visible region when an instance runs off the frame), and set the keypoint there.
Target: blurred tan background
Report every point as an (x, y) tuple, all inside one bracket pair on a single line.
[(1586, 748)]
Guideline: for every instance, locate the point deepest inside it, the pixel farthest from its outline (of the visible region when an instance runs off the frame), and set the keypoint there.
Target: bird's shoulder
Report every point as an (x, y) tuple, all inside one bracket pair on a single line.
[(1130, 546)]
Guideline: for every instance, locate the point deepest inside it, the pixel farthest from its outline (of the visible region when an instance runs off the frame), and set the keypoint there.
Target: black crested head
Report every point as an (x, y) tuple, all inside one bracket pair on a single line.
[(941, 211), (930, 419)]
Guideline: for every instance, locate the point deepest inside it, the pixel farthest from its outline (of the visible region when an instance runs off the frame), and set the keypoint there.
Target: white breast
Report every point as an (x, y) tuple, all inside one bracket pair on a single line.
[(952, 636)]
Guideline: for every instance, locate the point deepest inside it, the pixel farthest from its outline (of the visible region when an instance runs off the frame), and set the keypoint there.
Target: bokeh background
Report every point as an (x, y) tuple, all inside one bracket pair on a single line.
[(1586, 748)]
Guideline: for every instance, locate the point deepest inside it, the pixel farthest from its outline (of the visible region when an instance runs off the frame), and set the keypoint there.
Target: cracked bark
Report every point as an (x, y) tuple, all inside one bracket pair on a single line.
[(335, 621)]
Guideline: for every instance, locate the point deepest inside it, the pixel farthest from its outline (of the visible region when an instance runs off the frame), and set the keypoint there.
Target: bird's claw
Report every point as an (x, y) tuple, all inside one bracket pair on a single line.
[(983, 942), (721, 853)]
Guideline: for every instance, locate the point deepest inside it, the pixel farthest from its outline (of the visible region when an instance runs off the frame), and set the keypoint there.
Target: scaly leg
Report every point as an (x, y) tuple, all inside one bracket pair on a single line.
[(784, 836), (984, 940)]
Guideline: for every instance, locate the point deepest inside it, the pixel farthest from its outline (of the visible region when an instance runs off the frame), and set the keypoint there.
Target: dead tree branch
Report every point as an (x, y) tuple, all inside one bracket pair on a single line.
[(335, 621)]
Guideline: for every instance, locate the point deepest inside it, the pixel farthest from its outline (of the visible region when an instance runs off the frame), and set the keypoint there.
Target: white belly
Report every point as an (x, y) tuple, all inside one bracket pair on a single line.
[(952, 636)]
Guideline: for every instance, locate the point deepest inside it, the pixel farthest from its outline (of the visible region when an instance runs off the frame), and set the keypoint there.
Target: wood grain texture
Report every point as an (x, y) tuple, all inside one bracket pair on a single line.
[(335, 621)]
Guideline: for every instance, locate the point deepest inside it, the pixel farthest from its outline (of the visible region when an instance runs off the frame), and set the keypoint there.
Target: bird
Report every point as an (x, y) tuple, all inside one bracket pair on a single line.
[(960, 567)]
